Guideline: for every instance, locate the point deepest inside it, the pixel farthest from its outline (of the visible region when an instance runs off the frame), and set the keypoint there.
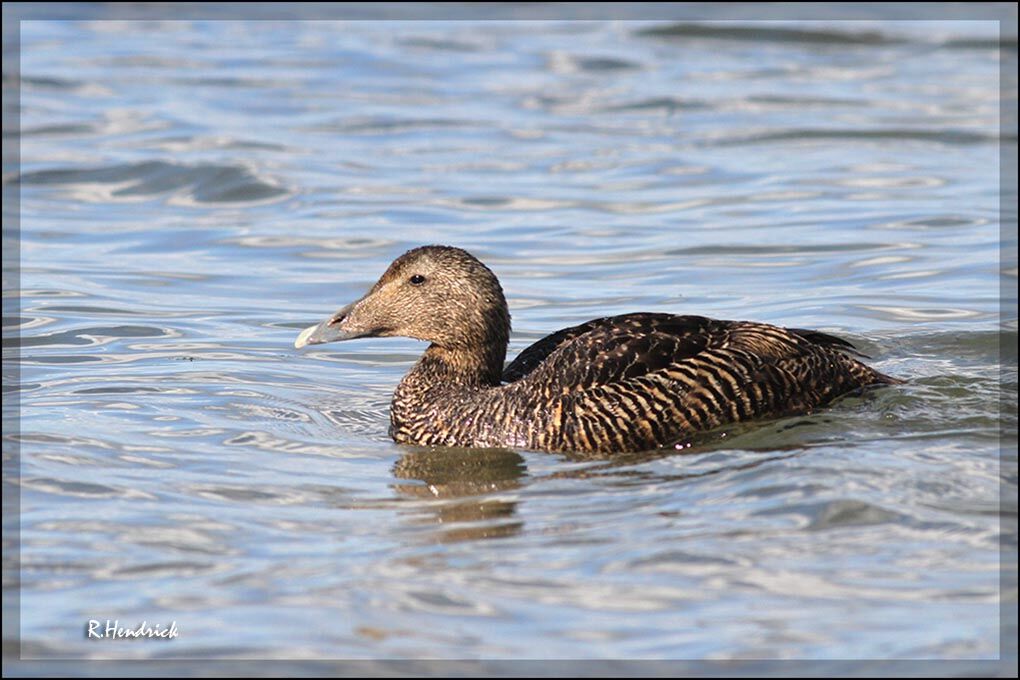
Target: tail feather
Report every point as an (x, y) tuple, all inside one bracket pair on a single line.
[(826, 340)]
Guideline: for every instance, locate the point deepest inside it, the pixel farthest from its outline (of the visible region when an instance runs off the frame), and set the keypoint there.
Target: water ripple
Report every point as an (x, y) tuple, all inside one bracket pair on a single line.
[(770, 33), (202, 183)]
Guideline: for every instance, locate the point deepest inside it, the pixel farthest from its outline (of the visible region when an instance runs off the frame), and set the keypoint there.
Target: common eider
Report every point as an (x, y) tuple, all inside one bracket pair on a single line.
[(621, 383)]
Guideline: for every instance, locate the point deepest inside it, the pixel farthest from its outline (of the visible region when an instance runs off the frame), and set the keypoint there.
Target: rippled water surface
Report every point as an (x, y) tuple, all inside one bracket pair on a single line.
[(194, 193)]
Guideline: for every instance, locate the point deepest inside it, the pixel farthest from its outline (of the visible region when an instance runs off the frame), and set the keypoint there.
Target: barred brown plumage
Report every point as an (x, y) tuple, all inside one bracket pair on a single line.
[(620, 383)]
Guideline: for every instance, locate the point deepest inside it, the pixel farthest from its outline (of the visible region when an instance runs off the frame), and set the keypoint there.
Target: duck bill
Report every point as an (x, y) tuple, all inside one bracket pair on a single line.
[(333, 329)]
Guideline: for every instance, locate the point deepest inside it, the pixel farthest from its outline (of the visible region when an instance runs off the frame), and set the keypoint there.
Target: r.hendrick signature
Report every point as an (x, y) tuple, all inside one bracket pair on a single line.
[(113, 629)]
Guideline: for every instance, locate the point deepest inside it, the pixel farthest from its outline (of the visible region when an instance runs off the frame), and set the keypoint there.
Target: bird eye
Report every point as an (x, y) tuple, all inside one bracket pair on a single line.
[(417, 279)]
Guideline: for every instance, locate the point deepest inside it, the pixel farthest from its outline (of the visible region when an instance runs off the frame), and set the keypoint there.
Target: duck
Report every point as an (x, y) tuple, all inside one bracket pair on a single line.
[(624, 383)]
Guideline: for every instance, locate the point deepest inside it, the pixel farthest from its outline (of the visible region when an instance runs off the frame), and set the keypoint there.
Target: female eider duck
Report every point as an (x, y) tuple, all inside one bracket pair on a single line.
[(621, 383)]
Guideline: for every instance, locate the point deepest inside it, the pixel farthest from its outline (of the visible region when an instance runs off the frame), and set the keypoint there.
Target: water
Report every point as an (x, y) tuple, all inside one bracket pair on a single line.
[(195, 193)]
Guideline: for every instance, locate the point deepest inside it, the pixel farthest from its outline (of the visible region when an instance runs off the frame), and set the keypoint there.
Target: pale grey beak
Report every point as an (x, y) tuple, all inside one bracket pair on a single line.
[(330, 330)]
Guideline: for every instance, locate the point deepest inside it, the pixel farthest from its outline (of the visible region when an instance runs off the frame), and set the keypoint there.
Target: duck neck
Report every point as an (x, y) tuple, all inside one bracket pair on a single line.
[(476, 366), (436, 402)]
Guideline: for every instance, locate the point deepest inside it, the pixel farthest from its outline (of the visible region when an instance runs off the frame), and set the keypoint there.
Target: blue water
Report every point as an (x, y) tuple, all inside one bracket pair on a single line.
[(195, 193)]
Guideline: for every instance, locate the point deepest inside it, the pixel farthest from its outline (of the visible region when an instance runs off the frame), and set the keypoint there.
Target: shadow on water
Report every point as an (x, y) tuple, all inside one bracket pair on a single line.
[(468, 487), (462, 480)]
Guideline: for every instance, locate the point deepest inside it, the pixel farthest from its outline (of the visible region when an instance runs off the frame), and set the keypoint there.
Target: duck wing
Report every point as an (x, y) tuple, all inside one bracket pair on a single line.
[(613, 348), (618, 348)]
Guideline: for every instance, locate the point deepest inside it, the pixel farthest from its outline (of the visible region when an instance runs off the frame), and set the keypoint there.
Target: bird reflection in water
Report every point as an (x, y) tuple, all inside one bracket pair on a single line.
[(467, 485)]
